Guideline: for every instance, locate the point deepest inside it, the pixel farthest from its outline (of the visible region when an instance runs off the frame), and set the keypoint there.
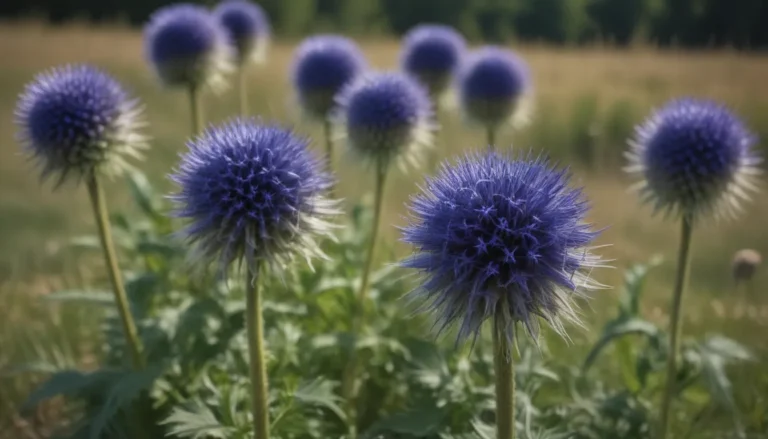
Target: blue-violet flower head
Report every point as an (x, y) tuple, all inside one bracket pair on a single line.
[(77, 121), (432, 53), (500, 238), (187, 47), (252, 190), (495, 88), (247, 27), (694, 158), (386, 117), (323, 65)]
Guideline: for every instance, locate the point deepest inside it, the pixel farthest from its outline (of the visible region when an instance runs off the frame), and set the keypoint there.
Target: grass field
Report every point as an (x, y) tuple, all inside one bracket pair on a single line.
[(585, 98)]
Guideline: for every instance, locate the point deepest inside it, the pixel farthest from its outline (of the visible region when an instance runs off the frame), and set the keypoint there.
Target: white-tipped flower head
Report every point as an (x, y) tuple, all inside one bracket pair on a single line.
[(77, 121), (187, 47), (694, 158), (495, 88), (247, 27), (252, 190), (386, 117), (322, 66)]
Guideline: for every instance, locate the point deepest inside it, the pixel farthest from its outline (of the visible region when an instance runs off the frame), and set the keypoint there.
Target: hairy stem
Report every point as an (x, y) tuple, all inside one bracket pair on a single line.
[(505, 382), (350, 372), (683, 267), (195, 109), (258, 367), (491, 137), (327, 132), (99, 204), (242, 92)]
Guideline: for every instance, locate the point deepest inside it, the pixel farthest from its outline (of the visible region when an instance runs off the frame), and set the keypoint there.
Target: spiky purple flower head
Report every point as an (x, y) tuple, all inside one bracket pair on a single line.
[(187, 46), (500, 238), (322, 66), (432, 53), (254, 190), (385, 117), (695, 158), (247, 27), (77, 121), (495, 87)]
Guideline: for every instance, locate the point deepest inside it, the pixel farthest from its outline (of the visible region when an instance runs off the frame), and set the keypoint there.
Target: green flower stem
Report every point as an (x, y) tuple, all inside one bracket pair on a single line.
[(350, 372), (242, 92), (195, 109), (683, 267), (327, 132), (491, 137), (258, 369), (99, 204), (505, 383)]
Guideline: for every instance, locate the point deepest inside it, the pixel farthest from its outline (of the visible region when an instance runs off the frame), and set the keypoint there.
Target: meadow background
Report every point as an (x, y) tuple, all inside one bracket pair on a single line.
[(588, 99)]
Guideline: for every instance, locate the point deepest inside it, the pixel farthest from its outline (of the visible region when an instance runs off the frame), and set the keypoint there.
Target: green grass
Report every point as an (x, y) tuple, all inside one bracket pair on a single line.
[(587, 103)]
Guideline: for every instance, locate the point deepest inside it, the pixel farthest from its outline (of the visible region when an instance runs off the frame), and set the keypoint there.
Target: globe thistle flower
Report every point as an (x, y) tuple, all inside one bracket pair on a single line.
[(745, 264), (386, 116), (77, 121), (252, 189), (322, 66), (432, 54), (495, 88), (501, 239), (247, 27), (695, 158), (187, 47)]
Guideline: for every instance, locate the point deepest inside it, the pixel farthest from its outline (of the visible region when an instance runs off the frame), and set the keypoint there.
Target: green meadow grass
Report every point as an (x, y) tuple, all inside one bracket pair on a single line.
[(587, 102)]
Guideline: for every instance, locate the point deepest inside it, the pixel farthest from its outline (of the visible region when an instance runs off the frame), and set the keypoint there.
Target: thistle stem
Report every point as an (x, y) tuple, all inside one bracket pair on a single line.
[(350, 371), (491, 137), (683, 267), (327, 132), (195, 109), (242, 90), (258, 370), (505, 383), (99, 205)]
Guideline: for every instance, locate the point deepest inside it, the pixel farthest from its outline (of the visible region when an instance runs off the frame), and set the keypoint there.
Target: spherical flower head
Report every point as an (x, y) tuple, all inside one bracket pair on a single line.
[(247, 27), (432, 53), (187, 46), (386, 117), (322, 66), (745, 264), (77, 121), (695, 158), (252, 190), (495, 88), (500, 238)]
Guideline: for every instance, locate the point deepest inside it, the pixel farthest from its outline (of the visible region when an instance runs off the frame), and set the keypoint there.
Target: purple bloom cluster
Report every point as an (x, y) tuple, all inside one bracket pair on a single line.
[(187, 46), (386, 116), (492, 86), (694, 157), (247, 27), (252, 190), (432, 53), (500, 238), (322, 66), (76, 121)]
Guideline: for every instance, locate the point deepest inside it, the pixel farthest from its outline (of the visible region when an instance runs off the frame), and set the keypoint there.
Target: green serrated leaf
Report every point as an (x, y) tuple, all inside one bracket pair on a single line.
[(143, 193), (418, 422), (70, 383), (319, 392), (196, 421), (122, 392), (618, 330)]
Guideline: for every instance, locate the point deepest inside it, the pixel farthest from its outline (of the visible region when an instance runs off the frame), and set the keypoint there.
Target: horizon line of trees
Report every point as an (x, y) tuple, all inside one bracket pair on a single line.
[(742, 24)]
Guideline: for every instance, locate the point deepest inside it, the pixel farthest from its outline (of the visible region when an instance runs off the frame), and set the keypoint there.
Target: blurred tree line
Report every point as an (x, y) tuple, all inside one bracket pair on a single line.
[(687, 23)]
